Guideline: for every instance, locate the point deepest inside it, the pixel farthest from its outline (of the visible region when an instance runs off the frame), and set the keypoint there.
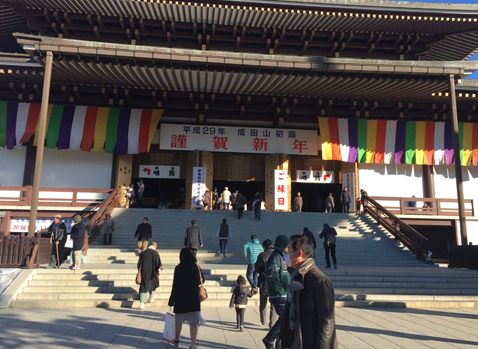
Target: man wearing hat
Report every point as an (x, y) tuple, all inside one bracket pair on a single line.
[(226, 198), (278, 279), (193, 238), (58, 239), (78, 236)]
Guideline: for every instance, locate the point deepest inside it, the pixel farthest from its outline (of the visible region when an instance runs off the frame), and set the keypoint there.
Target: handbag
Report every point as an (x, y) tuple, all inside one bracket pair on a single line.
[(202, 289), (169, 333), (69, 241), (138, 276)]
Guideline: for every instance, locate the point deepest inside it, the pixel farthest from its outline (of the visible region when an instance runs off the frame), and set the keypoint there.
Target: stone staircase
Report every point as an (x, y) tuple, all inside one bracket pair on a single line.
[(374, 269)]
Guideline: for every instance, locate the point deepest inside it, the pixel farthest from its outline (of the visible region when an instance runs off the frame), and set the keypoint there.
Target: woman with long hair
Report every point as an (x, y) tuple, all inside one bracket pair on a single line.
[(185, 295)]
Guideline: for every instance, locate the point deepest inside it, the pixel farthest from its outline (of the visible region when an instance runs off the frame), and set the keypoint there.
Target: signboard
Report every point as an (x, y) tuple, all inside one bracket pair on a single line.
[(199, 187), (348, 181), (280, 185), (156, 171), (307, 176), (238, 139), (20, 225)]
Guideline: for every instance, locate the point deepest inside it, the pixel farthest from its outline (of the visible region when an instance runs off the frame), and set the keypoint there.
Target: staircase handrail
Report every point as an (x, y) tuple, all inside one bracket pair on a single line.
[(107, 207), (402, 232)]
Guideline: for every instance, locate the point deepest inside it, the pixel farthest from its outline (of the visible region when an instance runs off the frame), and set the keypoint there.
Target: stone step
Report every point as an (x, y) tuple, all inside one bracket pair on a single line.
[(225, 303)]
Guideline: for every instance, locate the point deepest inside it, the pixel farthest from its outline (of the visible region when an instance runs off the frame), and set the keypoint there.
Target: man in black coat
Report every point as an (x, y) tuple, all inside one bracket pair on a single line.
[(329, 235), (193, 238), (308, 320), (345, 199), (78, 236), (310, 235), (261, 268), (150, 264), (57, 238), (144, 232)]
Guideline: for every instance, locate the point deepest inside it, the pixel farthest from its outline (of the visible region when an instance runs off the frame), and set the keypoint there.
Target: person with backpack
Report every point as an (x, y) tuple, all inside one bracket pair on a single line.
[(257, 203), (240, 201), (261, 268), (329, 235)]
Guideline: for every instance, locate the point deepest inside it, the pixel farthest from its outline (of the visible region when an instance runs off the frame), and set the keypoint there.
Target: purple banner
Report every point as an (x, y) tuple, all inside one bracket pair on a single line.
[(400, 142), (449, 158), (353, 140), (65, 127), (12, 110), (123, 126)]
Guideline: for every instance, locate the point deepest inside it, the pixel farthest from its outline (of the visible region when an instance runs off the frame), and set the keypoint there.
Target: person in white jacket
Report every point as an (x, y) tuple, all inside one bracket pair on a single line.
[(226, 198)]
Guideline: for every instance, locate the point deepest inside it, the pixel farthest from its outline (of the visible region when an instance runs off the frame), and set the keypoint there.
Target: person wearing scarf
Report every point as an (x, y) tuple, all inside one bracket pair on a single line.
[(57, 231), (308, 320)]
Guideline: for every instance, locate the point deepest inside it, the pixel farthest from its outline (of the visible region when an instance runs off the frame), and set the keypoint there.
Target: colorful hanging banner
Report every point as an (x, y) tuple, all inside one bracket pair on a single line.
[(396, 142), (128, 131)]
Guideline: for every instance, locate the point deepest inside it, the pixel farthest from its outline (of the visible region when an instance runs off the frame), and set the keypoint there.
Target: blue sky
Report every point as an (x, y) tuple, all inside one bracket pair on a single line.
[(475, 56)]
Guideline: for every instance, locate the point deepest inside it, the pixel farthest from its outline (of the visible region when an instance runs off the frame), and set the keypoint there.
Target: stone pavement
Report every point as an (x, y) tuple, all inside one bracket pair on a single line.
[(129, 328)]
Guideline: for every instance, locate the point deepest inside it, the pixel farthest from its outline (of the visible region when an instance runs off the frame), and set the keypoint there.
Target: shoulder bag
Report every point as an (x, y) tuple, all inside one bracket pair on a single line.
[(202, 289), (138, 276)]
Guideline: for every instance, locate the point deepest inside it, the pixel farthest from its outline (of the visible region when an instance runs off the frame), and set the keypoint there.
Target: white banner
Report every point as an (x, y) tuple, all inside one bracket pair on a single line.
[(307, 176), (238, 139), (348, 181), (199, 187), (155, 171), (280, 185), (20, 225)]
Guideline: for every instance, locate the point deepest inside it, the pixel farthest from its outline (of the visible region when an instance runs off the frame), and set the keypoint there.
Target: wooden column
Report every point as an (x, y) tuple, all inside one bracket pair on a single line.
[(456, 156), (207, 161), (124, 172), (41, 143), (428, 183), (193, 160), (272, 162)]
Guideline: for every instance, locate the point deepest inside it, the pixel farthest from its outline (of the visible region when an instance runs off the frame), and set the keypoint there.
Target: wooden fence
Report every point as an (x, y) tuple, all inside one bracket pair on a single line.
[(435, 206), (23, 251)]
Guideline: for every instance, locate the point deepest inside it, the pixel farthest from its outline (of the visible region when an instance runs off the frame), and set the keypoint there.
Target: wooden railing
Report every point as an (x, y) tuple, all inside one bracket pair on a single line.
[(23, 251), (402, 232), (106, 207), (73, 200), (436, 206)]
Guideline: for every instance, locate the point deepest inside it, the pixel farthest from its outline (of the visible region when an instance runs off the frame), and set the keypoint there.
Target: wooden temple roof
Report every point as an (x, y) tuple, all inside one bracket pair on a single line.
[(338, 28), (233, 86)]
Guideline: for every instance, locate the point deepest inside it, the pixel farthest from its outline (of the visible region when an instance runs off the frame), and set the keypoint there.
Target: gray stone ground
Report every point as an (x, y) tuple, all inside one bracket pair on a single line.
[(129, 328)]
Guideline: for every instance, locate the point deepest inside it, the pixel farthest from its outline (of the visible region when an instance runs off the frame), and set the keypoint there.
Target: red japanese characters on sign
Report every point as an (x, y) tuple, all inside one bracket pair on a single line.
[(179, 141), (259, 144), (219, 142), (300, 145), (281, 191)]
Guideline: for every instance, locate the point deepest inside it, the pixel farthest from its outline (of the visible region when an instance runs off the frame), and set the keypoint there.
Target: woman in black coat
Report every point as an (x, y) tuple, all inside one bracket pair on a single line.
[(185, 295), (150, 264)]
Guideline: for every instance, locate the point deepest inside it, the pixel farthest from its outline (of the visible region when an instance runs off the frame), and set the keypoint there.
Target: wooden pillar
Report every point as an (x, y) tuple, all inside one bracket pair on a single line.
[(6, 223), (124, 172), (207, 161), (428, 183), (29, 170), (41, 143), (456, 156), (193, 160)]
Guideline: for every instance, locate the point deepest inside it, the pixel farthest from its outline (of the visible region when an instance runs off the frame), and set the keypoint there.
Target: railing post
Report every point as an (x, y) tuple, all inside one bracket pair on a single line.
[(378, 216)]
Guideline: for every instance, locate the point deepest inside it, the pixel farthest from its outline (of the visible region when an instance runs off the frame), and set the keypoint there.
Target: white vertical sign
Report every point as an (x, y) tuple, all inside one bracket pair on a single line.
[(280, 190), (348, 180), (199, 187)]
